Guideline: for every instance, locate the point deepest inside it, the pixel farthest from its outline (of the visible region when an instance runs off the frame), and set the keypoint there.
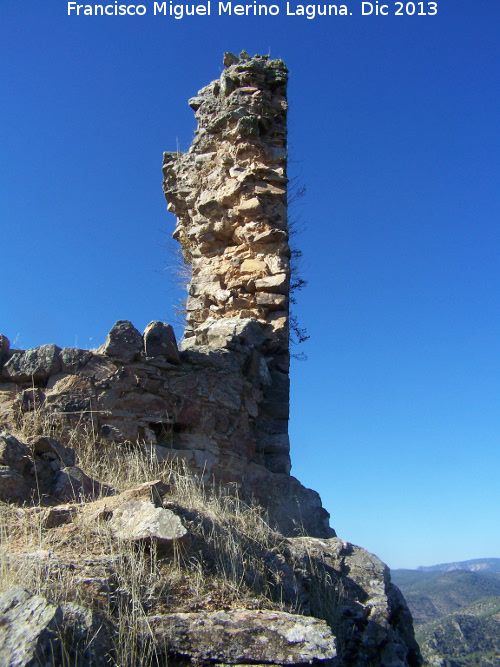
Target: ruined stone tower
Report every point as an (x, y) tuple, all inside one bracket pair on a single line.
[(229, 193), (220, 405)]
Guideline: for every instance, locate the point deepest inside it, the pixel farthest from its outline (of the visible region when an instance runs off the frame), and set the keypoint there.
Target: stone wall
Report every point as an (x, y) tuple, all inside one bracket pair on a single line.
[(200, 406)]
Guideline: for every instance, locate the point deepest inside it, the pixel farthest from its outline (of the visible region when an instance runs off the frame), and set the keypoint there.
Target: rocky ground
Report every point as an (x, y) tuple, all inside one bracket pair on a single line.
[(171, 570)]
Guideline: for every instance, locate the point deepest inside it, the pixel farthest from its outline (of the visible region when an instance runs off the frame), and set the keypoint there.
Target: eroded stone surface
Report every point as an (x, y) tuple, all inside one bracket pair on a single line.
[(159, 341), (36, 364), (245, 636), (367, 610), (123, 341), (28, 629)]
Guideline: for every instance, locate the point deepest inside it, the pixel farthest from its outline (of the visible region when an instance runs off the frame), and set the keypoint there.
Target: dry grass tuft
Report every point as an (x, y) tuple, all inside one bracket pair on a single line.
[(82, 562)]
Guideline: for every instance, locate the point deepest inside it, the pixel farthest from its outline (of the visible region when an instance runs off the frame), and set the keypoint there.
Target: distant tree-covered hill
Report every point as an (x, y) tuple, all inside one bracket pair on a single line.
[(456, 611)]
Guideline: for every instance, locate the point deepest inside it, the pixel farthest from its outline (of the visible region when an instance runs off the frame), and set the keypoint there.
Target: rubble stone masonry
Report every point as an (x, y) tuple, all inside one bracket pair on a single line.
[(229, 193)]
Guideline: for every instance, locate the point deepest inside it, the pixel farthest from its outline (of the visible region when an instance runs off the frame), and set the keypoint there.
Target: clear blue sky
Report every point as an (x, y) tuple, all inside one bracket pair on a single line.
[(393, 129)]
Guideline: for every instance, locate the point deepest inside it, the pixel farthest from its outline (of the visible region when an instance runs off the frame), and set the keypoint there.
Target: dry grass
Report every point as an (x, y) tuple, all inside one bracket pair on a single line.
[(234, 559), (83, 562)]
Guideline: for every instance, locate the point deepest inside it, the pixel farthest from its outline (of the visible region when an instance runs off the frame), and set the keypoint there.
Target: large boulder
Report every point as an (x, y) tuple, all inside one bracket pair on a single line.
[(14, 454), (13, 486), (35, 365), (292, 508), (36, 633), (71, 483), (52, 450), (351, 588)]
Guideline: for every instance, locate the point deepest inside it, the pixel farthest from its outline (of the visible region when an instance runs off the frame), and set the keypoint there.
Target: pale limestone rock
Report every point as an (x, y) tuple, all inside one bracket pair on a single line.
[(253, 266), (249, 206), (277, 283), (137, 520)]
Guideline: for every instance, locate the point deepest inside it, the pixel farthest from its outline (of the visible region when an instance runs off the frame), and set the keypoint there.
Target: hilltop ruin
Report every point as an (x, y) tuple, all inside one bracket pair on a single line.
[(280, 591)]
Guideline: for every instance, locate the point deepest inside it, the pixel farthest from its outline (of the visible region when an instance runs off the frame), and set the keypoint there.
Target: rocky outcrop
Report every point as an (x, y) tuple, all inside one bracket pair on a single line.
[(34, 632), (342, 609), (352, 589), (43, 473), (28, 629)]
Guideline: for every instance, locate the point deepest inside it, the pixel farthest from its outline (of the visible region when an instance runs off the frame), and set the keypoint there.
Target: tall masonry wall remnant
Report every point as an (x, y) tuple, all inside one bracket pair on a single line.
[(229, 193)]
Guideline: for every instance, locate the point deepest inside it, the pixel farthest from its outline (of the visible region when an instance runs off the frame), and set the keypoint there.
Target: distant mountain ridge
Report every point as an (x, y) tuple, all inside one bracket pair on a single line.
[(474, 565), (456, 611)]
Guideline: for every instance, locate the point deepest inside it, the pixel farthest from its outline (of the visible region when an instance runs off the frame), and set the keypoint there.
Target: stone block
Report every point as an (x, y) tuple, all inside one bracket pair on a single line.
[(249, 206), (36, 364), (253, 266), (278, 283), (271, 301), (123, 342), (72, 358), (159, 340), (98, 368)]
